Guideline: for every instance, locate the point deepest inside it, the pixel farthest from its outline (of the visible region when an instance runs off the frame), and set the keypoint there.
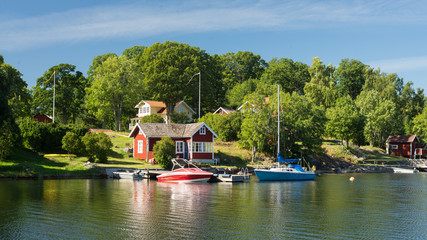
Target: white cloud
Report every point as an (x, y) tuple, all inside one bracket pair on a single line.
[(192, 16), (400, 64)]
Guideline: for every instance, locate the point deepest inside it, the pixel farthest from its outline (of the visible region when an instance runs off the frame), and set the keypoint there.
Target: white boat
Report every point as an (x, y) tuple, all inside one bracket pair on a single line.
[(129, 174), (291, 172), (184, 171), (405, 170)]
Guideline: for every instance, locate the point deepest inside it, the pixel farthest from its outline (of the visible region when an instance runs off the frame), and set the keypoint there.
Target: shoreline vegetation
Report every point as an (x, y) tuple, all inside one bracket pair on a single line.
[(26, 164)]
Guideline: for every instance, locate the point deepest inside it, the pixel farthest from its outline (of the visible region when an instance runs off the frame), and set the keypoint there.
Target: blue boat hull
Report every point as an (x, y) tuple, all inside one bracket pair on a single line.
[(268, 175)]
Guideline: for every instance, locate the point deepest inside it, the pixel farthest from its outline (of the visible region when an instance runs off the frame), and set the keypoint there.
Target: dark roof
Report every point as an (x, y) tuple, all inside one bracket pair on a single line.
[(168, 130), (401, 138)]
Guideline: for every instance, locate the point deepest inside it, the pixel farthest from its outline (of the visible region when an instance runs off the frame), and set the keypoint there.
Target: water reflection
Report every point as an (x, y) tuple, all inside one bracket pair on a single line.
[(374, 206)]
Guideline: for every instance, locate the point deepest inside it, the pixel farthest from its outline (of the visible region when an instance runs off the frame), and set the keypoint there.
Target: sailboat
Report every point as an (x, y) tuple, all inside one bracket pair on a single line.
[(290, 172)]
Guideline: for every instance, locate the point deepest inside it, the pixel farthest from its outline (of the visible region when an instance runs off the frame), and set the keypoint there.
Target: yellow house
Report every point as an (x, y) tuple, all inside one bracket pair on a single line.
[(148, 107)]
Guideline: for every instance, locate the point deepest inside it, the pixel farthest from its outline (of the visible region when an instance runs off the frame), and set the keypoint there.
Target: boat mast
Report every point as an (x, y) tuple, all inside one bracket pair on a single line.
[(278, 118)]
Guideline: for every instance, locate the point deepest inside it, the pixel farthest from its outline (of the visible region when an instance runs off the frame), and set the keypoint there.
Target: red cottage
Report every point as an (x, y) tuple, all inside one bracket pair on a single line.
[(402, 145), (42, 118), (192, 141)]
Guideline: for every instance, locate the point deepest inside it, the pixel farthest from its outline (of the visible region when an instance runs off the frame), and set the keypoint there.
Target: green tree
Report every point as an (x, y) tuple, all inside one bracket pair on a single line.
[(71, 143), (97, 146), (236, 95), (116, 85), (227, 126), (9, 131), (420, 125), (96, 62), (291, 75), (343, 120), (168, 67), (412, 105), (164, 151), (321, 89), (69, 92), (350, 77), (382, 117), (240, 67)]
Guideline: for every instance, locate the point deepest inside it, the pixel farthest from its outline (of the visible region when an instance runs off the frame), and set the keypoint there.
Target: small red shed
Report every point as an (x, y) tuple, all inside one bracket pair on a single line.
[(402, 145), (192, 141), (42, 118)]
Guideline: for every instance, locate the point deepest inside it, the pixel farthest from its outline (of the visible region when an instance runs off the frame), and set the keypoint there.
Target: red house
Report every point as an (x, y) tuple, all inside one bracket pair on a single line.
[(402, 145), (42, 118), (192, 141)]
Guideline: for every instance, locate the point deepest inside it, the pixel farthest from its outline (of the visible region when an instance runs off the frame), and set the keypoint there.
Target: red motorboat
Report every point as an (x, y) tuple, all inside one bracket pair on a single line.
[(184, 171)]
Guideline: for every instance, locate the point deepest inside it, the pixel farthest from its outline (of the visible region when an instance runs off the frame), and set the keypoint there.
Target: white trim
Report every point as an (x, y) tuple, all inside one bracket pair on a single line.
[(148, 147), (394, 146), (213, 155), (202, 132), (203, 124), (194, 112)]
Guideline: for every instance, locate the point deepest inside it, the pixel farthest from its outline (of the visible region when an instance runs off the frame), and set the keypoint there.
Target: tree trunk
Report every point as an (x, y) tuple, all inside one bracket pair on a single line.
[(103, 122), (253, 153), (169, 110)]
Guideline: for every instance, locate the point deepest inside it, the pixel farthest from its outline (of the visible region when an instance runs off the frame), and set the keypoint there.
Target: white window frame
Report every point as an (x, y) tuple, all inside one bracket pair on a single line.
[(203, 131), (394, 146), (179, 147), (140, 148), (202, 147)]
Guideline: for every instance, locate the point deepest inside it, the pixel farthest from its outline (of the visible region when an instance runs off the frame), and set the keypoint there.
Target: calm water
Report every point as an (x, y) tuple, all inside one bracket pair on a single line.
[(375, 206)]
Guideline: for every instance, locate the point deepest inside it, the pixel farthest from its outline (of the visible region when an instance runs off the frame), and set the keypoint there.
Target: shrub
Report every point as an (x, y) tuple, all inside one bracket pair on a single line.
[(72, 143), (97, 146), (164, 151), (153, 118), (180, 117)]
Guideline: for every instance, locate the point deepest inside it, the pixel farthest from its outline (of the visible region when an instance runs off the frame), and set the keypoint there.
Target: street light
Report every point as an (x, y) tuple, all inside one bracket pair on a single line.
[(200, 84)]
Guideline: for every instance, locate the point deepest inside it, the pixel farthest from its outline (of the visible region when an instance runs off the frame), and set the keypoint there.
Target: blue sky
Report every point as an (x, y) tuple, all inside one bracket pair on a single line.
[(390, 35)]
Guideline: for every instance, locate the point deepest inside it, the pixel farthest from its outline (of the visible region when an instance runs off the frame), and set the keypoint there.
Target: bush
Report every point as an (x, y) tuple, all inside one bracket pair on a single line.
[(97, 146), (72, 143), (10, 137), (46, 137), (180, 117), (226, 126), (164, 151), (153, 118)]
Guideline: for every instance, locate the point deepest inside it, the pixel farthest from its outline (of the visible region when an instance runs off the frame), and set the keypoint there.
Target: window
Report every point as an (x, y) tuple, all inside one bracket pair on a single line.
[(179, 147), (140, 146), (394, 146), (203, 131), (202, 147)]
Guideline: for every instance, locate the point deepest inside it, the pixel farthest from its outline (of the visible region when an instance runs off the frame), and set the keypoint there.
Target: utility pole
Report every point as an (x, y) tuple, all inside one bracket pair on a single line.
[(53, 117)]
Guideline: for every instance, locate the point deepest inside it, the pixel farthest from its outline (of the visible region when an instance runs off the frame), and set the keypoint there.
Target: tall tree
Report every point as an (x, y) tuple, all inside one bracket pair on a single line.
[(420, 125), (350, 77), (291, 75), (96, 62), (241, 66), (168, 67), (9, 131), (321, 89), (412, 103), (19, 97), (344, 120), (69, 92), (117, 83)]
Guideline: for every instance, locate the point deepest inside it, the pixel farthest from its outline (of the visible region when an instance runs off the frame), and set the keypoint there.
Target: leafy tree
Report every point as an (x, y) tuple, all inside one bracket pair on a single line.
[(96, 62), (420, 125), (153, 118), (116, 86), (344, 120), (134, 53), (240, 67), (291, 75), (97, 146), (227, 126), (167, 68), (71, 143), (382, 117), (9, 132), (19, 97), (350, 77), (321, 89), (69, 92), (236, 95), (412, 104), (164, 151)]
